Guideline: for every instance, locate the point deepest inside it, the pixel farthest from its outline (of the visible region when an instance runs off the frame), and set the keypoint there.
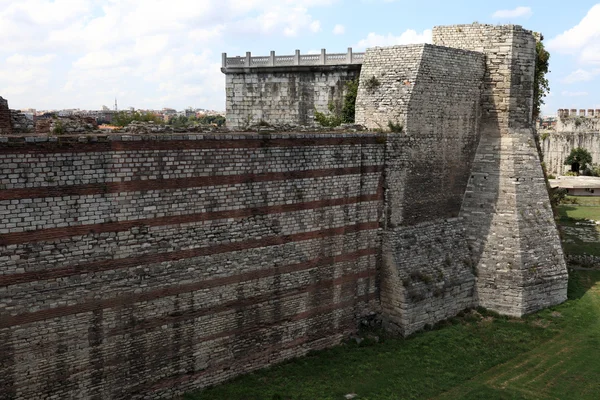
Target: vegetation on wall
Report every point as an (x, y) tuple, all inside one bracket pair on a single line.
[(372, 83), (395, 127), (182, 120), (346, 114), (349, 107), (541, 86)]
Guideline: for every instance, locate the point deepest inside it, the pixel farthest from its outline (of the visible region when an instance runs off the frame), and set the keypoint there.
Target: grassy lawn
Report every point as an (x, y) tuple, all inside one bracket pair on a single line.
[(579, 212), (552, 354), (578, 237), (586, 200)]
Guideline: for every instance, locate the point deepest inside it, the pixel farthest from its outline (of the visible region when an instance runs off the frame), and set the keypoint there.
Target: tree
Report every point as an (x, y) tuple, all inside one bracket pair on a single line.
[(349, 107), (578, 159), (541, 86), (124, 118)]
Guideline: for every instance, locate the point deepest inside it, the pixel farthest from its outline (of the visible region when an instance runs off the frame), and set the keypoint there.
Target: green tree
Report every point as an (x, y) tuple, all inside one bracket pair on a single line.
[(349, 107), (541, 86), (218, 120), (124, 118), (578, 159)]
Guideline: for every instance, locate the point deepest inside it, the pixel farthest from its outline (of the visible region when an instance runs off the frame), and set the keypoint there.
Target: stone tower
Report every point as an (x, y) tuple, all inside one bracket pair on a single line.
[(506, 208)]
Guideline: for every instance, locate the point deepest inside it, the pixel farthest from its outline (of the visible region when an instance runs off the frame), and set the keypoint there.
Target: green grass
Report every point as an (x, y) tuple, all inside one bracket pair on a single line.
[(579, 212), (580, 238), (585, 200), (552, 354)]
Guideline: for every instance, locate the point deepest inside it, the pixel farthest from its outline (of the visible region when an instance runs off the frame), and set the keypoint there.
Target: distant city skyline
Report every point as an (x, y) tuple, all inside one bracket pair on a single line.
[(150, 54)]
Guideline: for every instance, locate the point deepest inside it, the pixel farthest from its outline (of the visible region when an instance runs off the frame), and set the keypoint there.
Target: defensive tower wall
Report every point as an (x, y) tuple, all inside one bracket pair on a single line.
[(509, 220), (286, 90), (145, 266), (573, 129)]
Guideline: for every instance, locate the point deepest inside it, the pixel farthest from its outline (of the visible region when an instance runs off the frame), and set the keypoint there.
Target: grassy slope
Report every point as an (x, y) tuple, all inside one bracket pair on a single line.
[(586, 200), (566, 367), (470, 358), (579, 212), (570, 215)]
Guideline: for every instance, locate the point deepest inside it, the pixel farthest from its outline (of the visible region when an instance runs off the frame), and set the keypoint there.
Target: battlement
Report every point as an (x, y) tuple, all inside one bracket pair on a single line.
[(296, 59), (570, 113)]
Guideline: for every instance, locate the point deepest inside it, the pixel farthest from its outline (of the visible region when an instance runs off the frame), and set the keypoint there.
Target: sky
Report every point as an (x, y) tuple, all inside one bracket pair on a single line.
[(151, 54)]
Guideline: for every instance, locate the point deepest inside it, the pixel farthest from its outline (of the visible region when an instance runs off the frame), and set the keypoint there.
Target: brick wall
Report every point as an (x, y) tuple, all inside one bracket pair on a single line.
[(147, 267)]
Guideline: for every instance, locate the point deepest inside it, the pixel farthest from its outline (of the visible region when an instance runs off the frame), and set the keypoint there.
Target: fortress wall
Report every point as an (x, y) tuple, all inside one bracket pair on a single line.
[(386, 84), (434, 93), (150, 266), (510, 225), (427, 275), (5, 118), (284, 95), (507, 99), (443, 126), (570, 133)]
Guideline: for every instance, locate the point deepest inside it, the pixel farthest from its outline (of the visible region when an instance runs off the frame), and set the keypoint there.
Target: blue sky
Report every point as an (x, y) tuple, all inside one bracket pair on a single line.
[(157, 53)]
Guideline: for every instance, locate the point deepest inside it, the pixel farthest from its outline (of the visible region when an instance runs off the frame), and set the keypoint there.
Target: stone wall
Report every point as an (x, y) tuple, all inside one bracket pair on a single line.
[(427, 275), (5, 118), (510, 225), (144, 267), (571, 132), (507, 99), (433, 92), (284, 95), (20, 123)]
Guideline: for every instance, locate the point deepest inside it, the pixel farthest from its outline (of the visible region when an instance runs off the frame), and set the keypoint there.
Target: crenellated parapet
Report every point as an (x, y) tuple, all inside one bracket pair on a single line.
[(573, 112)]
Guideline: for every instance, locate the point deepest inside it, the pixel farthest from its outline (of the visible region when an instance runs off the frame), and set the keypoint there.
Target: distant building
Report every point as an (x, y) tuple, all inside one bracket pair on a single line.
[(578, 185)]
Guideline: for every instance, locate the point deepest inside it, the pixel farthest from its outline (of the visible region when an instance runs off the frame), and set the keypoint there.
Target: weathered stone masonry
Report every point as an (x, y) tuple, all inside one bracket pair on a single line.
[(281, 90), (572, 131), (144, 268), (509, 221)]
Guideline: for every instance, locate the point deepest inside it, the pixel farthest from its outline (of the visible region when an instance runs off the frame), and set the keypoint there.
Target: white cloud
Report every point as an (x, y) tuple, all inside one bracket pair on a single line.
[(519, 12), (144, 51), (582, 40), (23, 74), (566, 93), (339, 29), (409, 36), (581, 75)]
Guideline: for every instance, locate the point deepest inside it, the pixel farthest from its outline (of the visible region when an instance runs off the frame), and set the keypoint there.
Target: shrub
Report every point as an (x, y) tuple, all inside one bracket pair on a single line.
[(395, 127), (124, 118), (58, 128), (557, 195), (372, 83), (349, 107), (328, 121)]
